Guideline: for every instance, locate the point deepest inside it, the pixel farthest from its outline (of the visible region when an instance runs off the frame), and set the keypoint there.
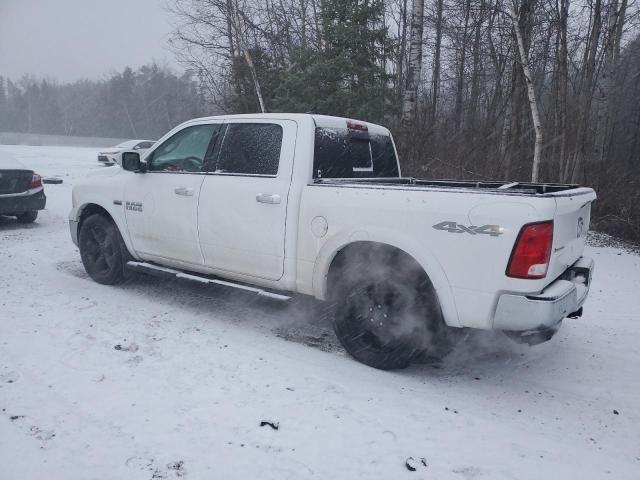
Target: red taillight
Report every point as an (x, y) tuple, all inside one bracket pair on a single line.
[(351, 125), (531, 253), (36, 181)]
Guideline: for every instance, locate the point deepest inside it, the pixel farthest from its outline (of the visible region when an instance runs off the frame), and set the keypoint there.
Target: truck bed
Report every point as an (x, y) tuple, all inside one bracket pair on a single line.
[(499, 187)]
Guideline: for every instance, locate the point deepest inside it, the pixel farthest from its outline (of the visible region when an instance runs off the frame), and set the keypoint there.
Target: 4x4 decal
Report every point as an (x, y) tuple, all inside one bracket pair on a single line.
[(453, 227)]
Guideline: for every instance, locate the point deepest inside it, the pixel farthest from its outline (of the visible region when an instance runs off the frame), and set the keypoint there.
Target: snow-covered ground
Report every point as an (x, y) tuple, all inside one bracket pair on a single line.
[(166, 379)]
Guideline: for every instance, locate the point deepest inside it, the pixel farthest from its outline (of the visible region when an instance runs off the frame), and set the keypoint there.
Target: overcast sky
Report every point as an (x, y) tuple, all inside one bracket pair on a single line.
[(67, 40)]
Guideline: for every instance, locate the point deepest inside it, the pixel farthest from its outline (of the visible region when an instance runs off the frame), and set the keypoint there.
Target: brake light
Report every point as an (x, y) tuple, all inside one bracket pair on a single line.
[(36, 181), (532, 251), (351, 125)]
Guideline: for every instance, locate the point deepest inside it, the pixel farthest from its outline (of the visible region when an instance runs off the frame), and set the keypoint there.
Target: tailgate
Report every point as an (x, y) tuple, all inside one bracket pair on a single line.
[(570, 228)]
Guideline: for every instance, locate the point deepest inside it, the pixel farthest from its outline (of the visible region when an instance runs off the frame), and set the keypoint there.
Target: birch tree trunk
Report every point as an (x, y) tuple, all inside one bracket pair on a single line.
[(254, 76), (403, 48), (242, 43), (533, 104), (414, 66)]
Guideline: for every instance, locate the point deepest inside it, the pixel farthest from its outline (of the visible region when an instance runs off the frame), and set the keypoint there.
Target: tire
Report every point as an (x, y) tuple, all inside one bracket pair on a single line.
[(27, 217), (385, 317), (103, 252)]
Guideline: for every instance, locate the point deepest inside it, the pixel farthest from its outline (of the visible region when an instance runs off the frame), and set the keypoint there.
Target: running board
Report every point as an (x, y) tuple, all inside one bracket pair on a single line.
[(151, 268)]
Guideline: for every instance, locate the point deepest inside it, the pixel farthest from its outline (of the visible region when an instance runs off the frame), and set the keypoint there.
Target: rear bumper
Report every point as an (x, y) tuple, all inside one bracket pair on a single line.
[(17, 203), (545, 310)]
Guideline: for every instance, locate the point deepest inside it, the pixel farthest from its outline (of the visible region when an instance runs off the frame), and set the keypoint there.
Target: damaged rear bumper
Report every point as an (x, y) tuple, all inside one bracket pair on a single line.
[(17, 203), (544, 311)]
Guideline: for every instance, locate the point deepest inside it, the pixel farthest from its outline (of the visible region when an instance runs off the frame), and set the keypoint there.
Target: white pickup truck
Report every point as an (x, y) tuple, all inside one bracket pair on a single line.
[(278, 204)]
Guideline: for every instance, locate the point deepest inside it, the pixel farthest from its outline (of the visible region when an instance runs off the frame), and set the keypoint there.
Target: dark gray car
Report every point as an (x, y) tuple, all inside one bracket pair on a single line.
[(21, 190)]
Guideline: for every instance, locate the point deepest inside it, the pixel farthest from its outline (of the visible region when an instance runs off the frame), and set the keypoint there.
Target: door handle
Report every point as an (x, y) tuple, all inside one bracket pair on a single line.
[(186, 191), (272, 198)]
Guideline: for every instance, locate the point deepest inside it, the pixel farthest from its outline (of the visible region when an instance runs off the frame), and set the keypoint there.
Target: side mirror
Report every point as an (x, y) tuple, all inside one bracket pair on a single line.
[(131, 162), (52, 180)]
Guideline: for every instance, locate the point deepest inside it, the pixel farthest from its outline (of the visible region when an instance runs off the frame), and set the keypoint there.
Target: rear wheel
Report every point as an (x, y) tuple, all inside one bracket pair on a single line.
[(27, 217), (102, 250), (387, 316)]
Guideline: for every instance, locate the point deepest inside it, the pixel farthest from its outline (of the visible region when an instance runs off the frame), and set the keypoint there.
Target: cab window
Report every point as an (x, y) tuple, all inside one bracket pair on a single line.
[(250, 149), (186, 151)]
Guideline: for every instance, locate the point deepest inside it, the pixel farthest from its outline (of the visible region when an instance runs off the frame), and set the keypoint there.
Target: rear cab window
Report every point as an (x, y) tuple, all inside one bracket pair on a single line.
[(351, 153)]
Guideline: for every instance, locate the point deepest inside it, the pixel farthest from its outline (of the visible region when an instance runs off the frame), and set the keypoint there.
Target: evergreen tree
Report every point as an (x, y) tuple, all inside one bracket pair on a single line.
[(347, 76)]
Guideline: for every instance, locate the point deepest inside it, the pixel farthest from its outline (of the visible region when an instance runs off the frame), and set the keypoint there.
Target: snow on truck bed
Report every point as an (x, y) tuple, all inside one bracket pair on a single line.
[(171, 379)]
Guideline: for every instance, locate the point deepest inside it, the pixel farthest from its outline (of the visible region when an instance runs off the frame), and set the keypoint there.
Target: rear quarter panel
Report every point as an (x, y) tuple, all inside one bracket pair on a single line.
[(466, 268)]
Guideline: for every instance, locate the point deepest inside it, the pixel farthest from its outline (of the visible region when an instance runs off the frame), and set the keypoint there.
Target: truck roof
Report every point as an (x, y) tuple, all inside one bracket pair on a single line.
[(325, 121)]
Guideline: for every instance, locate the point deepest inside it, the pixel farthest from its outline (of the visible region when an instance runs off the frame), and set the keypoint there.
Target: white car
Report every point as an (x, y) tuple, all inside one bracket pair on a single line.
[(283, 204), (114, 154)]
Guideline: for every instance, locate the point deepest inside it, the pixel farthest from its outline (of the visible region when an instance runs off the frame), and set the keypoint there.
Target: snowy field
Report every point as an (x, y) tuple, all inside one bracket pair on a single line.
[(162, 380)]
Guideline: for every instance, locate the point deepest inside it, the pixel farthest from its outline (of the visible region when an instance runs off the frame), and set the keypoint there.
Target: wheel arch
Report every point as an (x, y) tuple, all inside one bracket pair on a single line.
[(90, 208), (333, 253)]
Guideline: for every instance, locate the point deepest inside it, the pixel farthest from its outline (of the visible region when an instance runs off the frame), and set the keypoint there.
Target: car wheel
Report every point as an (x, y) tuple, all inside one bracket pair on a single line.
[(387, 317), (103, 252), (27, 217)]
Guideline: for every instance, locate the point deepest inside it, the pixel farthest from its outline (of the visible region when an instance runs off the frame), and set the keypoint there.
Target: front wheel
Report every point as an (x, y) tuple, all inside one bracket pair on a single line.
[(102, 250), (387, 317)]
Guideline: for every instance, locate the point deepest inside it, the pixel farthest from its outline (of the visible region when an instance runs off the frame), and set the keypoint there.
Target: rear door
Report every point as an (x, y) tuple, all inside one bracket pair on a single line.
[(243, 203), (162, 204)]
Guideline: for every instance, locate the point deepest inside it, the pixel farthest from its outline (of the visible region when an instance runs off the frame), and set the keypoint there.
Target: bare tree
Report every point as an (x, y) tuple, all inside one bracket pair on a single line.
[(435, 89), (415, 64), (574, 168), (609, 84), (533, 102)]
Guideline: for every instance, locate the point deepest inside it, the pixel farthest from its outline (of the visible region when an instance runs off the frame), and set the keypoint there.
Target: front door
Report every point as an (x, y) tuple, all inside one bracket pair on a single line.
[(243, 203), (162, 204)]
